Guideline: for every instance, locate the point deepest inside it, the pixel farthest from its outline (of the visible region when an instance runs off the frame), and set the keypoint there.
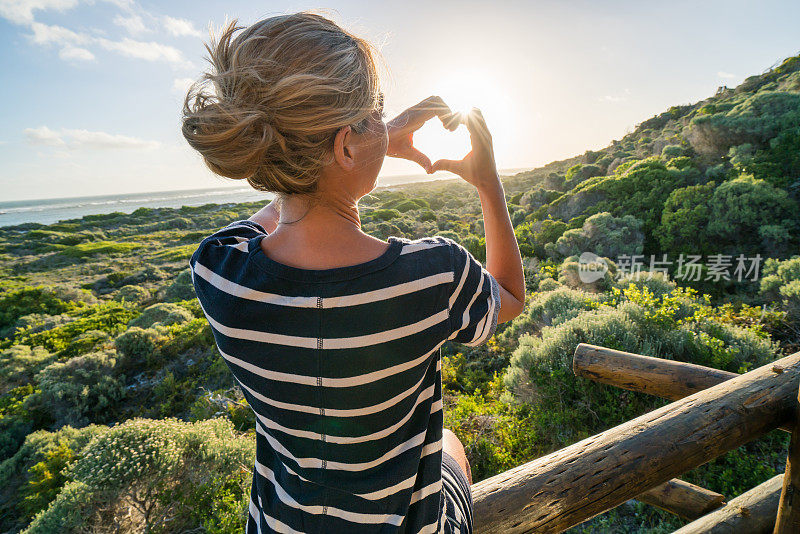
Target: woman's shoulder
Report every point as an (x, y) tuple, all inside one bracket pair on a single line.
[(430, 246)]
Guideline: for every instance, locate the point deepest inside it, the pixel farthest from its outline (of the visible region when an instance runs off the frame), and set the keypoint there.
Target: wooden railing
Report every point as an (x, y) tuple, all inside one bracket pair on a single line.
[(713, 413)]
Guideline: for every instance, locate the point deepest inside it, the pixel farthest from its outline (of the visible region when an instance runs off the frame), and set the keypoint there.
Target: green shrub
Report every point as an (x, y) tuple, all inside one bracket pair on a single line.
[(751, 216), (676, 326), (164, 313), (685, 218), (82, 389), (672, 151), (27, 300), (385, 214), (138, 347), (34, 475), (181, 288), (131, 293), (19, 364), (602, 234), (109, 317), (155, 473), (84, 342), (781, 284), (83, 250)]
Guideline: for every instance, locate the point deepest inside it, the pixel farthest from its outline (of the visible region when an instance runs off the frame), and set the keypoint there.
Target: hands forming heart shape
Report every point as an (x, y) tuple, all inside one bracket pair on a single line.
[(477, 167)]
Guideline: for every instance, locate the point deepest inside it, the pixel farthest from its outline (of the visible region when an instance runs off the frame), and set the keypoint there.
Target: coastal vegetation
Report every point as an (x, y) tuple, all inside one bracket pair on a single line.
[(118, 414)]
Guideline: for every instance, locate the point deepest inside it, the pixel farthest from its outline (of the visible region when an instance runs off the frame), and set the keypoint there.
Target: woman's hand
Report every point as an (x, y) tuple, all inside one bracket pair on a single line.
[(401, 129), (478, 167)]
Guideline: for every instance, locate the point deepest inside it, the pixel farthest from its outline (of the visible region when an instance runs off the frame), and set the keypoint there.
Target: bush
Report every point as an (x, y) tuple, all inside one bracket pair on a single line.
[(163, 313), (677, 325), (19, 364), (657, 283), (82, 250), (781, 284), (82, 389), (138, 347), (385, 214), (672, 151), (27, 300), (146, 473), (132, 293), (181, 288), (751, 216), (756, 119), (85, 342), (550, 307), (34, 475), (685, 218), (108, 317), (602, 234)]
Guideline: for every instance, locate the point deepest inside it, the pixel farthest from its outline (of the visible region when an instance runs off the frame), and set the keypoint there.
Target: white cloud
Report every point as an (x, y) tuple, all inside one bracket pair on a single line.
[(723, 74), (134, 24), (150, 51), (181, 85), (21, 11), (78, 139), (180, 27), (75, 53), (43, 136), (44, 34)]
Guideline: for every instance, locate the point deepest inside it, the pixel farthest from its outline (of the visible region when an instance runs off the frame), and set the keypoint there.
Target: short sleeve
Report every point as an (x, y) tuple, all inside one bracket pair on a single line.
[(233, 237), (243, 229), (474, 300)]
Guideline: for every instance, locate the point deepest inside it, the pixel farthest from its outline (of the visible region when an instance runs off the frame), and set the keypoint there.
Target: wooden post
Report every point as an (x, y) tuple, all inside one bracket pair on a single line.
[(569, 486), (752, 512), (682, 499), (656, 376), (788, 520)]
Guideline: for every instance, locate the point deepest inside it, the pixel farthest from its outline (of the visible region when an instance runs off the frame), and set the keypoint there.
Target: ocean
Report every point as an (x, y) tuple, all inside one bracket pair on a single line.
[(50, 210)]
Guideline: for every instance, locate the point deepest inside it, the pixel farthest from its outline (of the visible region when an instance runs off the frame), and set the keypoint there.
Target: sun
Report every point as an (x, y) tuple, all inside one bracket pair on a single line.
[(463, 89)]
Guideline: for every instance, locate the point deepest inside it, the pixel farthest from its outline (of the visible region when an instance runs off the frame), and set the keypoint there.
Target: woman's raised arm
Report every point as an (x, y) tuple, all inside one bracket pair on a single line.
[(503, 260)]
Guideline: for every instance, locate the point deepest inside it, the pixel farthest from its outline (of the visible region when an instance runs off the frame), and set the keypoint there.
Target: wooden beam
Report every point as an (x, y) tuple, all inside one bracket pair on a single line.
[(656, 376), (569, 486), (752, 512), (788, 520), (667, 379), (682, 499)]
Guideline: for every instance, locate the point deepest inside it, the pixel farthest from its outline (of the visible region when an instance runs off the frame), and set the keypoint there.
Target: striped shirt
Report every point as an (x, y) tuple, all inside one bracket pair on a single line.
[(342, 368)]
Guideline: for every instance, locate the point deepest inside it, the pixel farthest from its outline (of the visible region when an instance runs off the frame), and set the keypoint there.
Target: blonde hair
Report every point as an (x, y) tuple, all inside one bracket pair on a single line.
[(282, 88)]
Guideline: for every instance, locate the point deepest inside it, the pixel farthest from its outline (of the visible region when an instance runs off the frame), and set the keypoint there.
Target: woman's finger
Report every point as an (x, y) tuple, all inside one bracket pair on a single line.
[(454, 166), (418, 157), (478, 131)]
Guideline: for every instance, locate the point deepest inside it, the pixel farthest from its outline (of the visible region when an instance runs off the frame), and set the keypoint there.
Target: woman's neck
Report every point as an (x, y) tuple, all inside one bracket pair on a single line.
[(298, 211)]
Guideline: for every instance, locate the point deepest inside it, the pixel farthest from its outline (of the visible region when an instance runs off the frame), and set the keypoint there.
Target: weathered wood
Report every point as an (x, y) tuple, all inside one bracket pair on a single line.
[(667, 379), (752, 512), (655, 376), (569, 486), (682, 499), (788, 520)]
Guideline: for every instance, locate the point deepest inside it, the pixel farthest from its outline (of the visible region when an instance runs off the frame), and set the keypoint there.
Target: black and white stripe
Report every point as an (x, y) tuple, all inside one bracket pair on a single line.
[(341, 367)]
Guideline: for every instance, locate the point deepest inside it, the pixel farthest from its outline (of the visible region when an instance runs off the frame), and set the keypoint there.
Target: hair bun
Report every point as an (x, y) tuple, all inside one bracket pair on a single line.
[(274, 96)]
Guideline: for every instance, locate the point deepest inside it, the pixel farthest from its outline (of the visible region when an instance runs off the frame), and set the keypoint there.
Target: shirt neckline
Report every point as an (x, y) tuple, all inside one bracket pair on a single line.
[(334, 274)]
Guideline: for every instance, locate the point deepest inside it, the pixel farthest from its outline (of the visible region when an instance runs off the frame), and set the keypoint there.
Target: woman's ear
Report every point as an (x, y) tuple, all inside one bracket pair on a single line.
[(343, 149)]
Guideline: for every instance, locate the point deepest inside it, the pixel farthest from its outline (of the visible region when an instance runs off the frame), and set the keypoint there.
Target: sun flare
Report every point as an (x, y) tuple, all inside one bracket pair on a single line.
[(462, 90)]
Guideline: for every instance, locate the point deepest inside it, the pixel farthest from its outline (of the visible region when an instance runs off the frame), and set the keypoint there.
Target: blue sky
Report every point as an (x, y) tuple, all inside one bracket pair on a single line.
[(92, 88)]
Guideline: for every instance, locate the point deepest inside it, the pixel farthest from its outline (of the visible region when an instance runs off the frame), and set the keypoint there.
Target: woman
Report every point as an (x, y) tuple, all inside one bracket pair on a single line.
[(332, 334)]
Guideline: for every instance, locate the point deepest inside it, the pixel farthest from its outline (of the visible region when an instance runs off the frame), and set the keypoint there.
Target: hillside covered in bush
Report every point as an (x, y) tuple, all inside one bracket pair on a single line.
[(118, 414)]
